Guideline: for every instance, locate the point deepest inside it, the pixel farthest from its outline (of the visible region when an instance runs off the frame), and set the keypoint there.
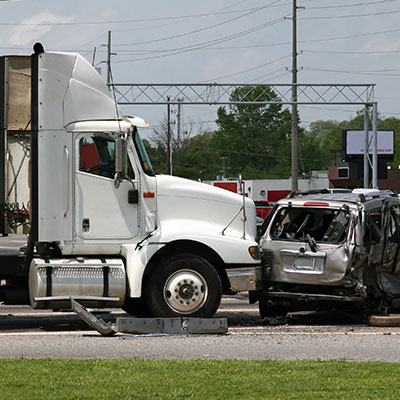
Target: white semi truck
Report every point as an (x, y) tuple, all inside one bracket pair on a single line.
[(105, 230)]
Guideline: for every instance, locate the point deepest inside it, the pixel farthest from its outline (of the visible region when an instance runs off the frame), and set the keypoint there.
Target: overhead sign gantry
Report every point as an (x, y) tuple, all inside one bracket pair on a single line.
[(219, 94)]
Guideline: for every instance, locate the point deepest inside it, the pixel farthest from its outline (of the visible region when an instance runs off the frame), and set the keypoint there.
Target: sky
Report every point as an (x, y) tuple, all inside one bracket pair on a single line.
[(248, 41)]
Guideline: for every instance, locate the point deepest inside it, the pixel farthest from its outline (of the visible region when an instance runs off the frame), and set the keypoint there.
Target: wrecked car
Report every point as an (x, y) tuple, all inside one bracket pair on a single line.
[(331, 250)]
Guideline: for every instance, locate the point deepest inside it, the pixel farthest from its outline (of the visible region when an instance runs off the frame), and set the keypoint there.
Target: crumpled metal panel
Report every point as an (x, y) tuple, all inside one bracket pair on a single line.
[(362, 256)]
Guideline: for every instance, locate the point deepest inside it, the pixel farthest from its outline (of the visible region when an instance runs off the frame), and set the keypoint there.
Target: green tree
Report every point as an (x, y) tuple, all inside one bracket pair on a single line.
[(193, 157), (197, 159), (255, 140), (392, 124), (157, 156), (311, 157), (329, 133)]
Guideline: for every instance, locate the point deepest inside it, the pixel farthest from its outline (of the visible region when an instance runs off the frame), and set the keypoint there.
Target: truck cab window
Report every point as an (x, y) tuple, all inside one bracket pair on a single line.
[(97, 156)]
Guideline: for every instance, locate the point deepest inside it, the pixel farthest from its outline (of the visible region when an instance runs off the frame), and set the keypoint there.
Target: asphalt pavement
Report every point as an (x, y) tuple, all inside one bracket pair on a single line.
[(319, 336)]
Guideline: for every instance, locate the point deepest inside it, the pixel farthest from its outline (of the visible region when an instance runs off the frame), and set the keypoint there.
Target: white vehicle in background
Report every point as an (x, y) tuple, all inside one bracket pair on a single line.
[(105, 230)]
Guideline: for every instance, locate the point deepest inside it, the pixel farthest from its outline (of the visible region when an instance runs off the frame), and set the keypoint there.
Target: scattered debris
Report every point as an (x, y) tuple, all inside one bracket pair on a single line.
[(143, 326)]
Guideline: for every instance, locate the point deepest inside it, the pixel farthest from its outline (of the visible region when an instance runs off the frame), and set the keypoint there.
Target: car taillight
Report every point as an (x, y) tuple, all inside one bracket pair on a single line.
[(315, 204)]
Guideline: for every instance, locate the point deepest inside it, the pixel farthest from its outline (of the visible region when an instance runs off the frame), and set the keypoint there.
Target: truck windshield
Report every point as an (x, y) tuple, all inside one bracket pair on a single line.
[(144, 158)]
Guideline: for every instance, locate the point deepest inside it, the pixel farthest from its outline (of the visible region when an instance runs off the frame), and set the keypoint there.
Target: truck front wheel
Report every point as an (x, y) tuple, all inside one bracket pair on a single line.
[(136, 307), (184, 285)]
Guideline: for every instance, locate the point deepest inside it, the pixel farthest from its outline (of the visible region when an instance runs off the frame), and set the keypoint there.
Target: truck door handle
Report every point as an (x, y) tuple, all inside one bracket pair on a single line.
[(67, 167)]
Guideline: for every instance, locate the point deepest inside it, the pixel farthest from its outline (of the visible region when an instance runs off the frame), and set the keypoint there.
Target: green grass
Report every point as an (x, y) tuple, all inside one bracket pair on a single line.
[(140, 379)]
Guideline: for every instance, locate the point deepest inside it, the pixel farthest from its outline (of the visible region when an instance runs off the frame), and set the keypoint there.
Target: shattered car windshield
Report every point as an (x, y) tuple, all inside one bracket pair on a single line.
[(323, 225)]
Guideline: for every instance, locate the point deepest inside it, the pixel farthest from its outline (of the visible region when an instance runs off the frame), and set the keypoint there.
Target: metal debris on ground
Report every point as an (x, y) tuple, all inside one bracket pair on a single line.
[(391, 320), (172, 326)]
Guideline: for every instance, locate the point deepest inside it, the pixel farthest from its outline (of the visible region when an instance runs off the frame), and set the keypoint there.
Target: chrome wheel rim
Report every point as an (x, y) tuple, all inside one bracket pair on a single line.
[(185, 291)]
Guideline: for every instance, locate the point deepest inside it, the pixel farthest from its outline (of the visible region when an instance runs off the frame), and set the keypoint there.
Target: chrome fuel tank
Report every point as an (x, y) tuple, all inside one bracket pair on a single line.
[(93, 282)]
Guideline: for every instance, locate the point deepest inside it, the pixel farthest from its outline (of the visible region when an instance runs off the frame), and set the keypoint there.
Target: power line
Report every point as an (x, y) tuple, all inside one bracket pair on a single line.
[(351, 5), (353, 15), (330, 109), (346, 36), (208, 43), (249, 69), (264, 155), (353, 52), (333, 38), (234, 47), (269, 74), (197, 30), (382, 72), (141, 20), (185, 18)]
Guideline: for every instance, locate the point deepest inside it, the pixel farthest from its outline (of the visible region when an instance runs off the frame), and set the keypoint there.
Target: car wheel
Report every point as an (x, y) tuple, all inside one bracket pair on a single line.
[(268, 309)]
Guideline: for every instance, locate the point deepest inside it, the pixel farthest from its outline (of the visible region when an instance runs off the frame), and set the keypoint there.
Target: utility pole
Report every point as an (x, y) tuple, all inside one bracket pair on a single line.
[(223, 168), (178, 120), (366, 147), (169, 152), (375, 145), (109, 58), (295, 138)]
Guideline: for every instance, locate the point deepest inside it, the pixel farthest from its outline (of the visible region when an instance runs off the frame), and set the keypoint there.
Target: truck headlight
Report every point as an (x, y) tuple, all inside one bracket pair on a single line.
[(255, 252)]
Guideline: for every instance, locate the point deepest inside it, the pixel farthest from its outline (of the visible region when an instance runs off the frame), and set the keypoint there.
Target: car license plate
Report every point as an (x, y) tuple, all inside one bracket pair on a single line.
[(304, 264)]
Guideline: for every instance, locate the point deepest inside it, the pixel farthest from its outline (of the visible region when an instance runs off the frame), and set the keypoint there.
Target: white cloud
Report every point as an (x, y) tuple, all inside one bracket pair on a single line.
[(381, 45), (33, 28)]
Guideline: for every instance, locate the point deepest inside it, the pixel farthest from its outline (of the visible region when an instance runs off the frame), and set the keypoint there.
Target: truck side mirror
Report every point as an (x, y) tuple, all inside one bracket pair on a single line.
[(121, 161), (121, 156)]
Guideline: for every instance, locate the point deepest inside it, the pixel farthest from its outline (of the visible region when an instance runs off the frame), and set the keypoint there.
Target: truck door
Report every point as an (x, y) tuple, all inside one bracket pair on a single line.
[(101, 210)]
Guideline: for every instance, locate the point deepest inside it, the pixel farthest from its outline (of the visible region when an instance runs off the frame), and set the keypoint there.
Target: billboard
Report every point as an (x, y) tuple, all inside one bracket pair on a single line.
[(354, 144)]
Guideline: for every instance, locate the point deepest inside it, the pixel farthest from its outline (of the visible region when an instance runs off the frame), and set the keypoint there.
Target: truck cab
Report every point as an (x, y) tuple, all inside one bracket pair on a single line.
[(105, 230)]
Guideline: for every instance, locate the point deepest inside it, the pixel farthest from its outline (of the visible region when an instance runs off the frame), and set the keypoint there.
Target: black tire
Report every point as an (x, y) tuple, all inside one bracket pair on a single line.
[(185, 285), (136, 307), (268, 310)]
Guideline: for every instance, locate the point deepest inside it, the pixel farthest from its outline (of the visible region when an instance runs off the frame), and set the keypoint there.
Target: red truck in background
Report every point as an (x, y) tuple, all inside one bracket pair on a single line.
[(263, 207)]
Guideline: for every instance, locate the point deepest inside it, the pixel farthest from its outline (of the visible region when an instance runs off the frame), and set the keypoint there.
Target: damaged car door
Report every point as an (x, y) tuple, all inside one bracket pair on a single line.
[(309, 244), (382, 275)]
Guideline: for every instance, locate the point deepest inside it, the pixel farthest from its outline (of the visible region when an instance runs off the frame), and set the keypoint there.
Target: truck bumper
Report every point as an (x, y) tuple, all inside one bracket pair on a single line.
[(245, 278)]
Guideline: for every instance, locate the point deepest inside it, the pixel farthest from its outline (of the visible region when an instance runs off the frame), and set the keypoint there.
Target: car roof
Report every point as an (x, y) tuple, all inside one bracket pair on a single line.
[(350, 198)]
